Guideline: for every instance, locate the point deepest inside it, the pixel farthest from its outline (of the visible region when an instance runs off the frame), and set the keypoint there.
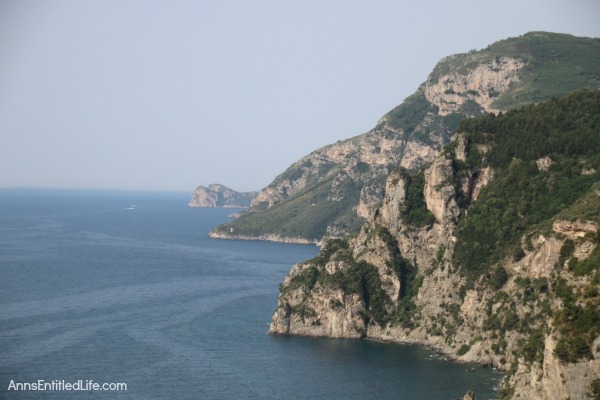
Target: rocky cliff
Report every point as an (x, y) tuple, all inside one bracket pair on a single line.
[(486, 253), (330, 192), (216, 195)]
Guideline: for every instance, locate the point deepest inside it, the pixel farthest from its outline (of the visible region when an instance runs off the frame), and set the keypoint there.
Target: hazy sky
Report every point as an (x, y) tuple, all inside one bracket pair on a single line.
[(136, 94)]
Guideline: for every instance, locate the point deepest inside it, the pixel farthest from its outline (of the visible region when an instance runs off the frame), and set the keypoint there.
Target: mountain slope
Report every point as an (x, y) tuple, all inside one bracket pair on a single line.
[(331, 191), (489, 253)]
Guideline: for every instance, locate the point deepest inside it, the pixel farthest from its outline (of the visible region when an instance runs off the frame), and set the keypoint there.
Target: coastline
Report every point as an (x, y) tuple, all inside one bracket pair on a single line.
[(265, 238), (439, 350)]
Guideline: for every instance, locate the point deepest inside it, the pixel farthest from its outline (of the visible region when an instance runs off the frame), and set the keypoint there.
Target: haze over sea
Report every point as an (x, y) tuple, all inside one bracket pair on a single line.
[(127, 287)]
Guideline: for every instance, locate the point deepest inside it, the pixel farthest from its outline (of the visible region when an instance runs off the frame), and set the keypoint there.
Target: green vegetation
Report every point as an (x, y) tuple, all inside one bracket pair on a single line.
[(595, 389), (406, 310), (585, 267), (533, 348), (521, 196), (587, 208), (566, 251), (565, 126), (337, 247), (464, 349), (470, 108), (498, 277), (362, 278), (506, 392), (556, 64), (411, 112), (418, 118), (578, 323), (306, 280), (414, 211)]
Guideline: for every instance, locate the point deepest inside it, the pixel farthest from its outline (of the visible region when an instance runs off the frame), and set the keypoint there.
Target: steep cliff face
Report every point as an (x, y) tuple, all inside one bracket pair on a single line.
[(331, 191), (394, 253), (216, 195), (423, 267)]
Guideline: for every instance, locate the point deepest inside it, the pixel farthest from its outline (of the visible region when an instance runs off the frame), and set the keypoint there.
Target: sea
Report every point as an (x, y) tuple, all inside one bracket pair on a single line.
[(125, 290)]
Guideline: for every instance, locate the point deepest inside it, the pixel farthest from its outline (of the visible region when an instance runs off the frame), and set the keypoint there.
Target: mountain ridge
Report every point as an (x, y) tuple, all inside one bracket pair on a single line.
[(330, 192)]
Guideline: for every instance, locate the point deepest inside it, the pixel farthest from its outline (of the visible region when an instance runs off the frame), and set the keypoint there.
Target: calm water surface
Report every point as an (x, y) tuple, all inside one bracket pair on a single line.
[(127, 287)]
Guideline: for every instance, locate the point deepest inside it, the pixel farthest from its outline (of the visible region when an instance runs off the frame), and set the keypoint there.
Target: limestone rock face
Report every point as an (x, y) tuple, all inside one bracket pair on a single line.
[(422, 245), (323, 312), (204, 197), (394, 201), (417, 153), (481, 180), (543, 163), (439, 193), (370, 196), (481, 85), (216, 195), (574, 230)]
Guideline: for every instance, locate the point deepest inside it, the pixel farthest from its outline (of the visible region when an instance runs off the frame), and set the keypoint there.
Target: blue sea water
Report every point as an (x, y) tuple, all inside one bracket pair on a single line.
[(127, 287)]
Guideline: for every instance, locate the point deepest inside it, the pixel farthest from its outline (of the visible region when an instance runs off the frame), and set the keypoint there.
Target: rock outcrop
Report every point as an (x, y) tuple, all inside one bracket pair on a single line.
[(574, 229), (470, 395), (481, 85), (216, 195)]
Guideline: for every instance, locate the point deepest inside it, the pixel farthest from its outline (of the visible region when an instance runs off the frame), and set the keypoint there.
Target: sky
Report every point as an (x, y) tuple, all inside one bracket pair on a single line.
[(169, 95)]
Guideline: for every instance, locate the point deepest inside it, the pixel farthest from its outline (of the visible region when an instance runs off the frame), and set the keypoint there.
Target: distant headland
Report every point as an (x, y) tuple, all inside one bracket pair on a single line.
[(217, 195)]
